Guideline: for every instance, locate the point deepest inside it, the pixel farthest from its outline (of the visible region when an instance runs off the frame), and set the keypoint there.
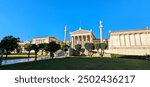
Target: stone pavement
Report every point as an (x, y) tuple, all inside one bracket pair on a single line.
[(14, 61)]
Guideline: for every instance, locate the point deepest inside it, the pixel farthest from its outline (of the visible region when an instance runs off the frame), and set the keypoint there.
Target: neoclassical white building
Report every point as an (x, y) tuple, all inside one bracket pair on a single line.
[(39, 40), (81, 36), (127, 42), (45, 40), (22, 44), (130, 42)]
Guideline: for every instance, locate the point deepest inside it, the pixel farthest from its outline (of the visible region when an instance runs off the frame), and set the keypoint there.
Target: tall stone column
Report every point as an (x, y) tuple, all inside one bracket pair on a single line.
[(86, 38), (91, 39), (82, 41), (75, 40), (78, 40), (101, 32), (72, 41), (65, 34)]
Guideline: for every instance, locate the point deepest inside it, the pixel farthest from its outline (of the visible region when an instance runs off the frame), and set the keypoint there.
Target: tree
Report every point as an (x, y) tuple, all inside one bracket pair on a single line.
[(46, 49), (28, 47), (42, 47), (18, 49), (90, 47), (102, 47), (52, 48), (9, 44), (64, 47), (78, 48), (97, 47), (1, 54), (36, 50), (1, 57)]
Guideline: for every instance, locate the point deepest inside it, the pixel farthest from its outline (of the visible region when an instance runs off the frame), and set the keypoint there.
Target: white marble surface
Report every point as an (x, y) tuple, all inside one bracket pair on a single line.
[(135, 42)]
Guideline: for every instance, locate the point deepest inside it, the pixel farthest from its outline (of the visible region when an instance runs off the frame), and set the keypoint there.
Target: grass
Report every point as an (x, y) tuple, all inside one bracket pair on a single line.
[(82, 63)]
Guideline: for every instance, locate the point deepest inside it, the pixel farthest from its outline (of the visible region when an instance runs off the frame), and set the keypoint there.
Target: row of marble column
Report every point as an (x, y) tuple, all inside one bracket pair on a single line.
[(80, 40), (130, 40), (39, 41)]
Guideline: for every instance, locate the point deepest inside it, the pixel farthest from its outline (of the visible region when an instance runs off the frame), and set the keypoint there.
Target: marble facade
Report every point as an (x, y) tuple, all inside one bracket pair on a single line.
[(81, 37), (132, 42), (45, 40)]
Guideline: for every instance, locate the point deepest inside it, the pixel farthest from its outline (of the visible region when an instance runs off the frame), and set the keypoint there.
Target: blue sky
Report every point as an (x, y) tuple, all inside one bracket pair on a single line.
[(38, 18)]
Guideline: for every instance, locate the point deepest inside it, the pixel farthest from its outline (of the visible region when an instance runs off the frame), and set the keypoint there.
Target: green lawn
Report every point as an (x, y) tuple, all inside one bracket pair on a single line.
[(79, 63)]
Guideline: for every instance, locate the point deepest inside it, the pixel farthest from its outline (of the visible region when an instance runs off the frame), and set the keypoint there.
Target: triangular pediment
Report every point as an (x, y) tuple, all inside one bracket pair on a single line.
[(81, 32)]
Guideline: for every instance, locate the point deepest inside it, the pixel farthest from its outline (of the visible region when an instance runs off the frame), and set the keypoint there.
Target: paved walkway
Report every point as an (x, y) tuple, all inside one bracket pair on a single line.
[(14, 61)]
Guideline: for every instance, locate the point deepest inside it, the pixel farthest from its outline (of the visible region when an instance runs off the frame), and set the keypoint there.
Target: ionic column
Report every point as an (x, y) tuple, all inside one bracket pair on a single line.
[(75, 40), (135, 40), (78, 40), (140, 39), (119, 40), (124, 40), (72, 40), (87, 38), (90, 38), (80, 37), (82, 43), (129, 40)]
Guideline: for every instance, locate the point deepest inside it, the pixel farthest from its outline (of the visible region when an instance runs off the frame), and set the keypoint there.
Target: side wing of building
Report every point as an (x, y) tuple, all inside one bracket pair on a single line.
[(45, 40), (132, 42)]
